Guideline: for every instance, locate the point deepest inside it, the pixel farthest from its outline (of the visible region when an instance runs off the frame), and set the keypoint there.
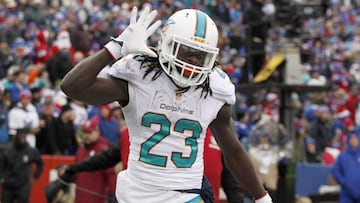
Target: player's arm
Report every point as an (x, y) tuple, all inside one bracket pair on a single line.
[(102, 160), (82, 83), (235, 156)]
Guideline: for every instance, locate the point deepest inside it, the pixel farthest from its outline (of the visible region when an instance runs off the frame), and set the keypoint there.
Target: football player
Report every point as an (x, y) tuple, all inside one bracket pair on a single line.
[(169, 98)]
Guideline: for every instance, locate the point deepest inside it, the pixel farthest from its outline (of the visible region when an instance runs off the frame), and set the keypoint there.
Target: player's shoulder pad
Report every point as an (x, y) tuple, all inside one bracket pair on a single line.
[(222, 87), (126, 68)]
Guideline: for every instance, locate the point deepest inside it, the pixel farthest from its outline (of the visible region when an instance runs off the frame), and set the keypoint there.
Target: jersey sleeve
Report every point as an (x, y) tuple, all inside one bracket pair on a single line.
[(222, 87), (126, 68)]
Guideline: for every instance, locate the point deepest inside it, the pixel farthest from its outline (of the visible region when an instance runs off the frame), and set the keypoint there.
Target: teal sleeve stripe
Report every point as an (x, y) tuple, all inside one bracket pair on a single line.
[(200, 25)]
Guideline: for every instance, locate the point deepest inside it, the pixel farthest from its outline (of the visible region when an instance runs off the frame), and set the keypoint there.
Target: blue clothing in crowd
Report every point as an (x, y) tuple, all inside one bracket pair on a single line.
[(4, 136), (346, 172), (109, 129), (243, 130)]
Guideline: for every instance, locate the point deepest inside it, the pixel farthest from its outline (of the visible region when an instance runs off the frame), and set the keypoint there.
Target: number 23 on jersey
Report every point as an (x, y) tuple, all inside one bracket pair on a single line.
[(180, 126)]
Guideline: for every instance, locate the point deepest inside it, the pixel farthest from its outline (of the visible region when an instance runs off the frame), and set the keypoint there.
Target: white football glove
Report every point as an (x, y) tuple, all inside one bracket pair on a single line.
[(265, 199), (133, 39)]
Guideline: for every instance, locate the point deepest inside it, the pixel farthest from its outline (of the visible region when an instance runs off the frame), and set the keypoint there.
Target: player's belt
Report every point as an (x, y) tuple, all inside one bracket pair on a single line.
[(195, 191)]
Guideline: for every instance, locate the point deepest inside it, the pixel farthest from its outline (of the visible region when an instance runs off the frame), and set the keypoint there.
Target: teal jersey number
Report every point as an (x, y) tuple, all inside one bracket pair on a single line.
[(180, 126)]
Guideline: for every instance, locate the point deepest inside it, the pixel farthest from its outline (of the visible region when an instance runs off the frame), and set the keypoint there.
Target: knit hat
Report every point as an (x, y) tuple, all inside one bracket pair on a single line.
[(65, 108), (310, 140), (25, 94), (342, 112), (90, 125), (63, 40)]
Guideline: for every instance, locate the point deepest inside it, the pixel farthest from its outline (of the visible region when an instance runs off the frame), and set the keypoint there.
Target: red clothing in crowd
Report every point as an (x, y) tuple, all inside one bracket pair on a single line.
[(101, 181), (124, 147), (42, 49), (212, 163)]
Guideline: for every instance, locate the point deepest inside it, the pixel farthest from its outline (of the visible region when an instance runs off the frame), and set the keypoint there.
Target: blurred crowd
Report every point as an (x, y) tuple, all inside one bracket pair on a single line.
[(41, 40)]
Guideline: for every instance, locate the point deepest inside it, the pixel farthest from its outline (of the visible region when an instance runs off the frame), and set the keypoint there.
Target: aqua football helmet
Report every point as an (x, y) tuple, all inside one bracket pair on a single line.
[(188, 47)]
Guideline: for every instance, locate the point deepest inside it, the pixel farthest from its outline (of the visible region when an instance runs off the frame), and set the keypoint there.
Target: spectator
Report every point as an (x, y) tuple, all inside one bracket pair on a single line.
[(25, 115), (317, 79), (59, 64), (34, 13), (46, 138), (299, 142), (265, 156), (242, 125), (213, 165), (80, 113), (56, 192), (41, 47), (8, 81), (117, 113), (65, 131), (281, 143), (18, 85), (109, 127), (312, 154), (322, 129), (16, 173), (5, 59), (102, 181), (264, 122), (346, 170), (81, 39), (4, 135), (36, 96)]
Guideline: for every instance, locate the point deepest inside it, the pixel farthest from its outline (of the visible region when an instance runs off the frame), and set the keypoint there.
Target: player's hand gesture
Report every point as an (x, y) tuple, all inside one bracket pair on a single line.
[(133, 39)]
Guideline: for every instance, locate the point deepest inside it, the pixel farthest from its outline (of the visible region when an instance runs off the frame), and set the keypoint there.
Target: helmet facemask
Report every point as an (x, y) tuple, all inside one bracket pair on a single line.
[(187, 63)]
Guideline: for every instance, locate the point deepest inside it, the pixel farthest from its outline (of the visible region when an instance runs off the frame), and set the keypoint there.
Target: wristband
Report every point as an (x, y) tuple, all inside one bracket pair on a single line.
[(114, 48), (264, 199)]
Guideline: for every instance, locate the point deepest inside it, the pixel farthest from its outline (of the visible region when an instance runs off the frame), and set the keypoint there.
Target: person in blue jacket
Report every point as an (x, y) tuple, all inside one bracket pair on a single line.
[(346, 170)]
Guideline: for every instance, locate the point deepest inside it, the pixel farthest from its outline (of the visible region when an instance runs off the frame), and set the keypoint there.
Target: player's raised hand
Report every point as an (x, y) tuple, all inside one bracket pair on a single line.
[(133, 39)]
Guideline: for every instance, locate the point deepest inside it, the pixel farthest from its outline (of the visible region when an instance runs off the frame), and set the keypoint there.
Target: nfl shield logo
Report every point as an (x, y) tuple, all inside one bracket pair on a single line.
[(178, 97)]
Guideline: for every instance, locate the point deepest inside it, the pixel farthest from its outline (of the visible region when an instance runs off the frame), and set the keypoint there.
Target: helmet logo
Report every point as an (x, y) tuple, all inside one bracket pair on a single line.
[(166, 26)]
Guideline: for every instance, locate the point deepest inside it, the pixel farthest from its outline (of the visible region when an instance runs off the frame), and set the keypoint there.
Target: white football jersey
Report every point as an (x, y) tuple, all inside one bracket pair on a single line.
[(167, 130)]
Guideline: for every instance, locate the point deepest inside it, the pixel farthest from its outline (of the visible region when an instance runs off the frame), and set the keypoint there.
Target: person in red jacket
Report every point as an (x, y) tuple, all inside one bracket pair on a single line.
[(213, 164), (101, 182), (124, 147)]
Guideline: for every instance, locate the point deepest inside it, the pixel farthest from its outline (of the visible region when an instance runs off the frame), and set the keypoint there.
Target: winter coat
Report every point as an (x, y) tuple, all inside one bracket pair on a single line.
[(16, 165), (100, 181), (346, 172)]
